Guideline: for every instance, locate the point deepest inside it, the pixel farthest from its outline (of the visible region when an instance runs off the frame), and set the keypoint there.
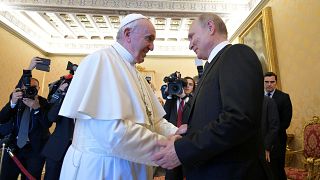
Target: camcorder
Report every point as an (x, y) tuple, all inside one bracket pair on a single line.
[(28, 91), (53, 87), (71, 67), (175, 84)]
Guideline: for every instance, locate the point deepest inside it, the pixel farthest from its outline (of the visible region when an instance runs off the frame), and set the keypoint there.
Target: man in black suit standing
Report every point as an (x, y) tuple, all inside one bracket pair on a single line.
[(224, 115), (285, 113), (61, 138), (270, 124)]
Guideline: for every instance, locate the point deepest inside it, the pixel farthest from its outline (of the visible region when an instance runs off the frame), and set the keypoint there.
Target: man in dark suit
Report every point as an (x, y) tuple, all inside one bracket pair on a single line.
[(224, 115), (285, 113), (28, 151), (61, 138), (269, 129)]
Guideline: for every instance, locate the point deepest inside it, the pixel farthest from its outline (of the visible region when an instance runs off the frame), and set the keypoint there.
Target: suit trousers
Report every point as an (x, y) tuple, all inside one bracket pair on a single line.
[(53, 169)]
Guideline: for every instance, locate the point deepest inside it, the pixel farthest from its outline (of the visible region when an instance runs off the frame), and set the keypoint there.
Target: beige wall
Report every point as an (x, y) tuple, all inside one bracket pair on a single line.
[(14, 56), (296, 26)]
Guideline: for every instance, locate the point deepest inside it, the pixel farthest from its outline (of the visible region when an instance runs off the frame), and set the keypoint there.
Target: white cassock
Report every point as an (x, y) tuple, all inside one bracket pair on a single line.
[(118, 120)]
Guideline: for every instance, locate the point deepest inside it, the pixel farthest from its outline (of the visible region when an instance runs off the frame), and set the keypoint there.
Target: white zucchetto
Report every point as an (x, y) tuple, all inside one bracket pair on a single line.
[(130, 18)]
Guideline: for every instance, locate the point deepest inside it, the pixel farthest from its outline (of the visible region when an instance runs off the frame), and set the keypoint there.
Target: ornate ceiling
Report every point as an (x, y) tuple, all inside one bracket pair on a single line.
[(82, 26)]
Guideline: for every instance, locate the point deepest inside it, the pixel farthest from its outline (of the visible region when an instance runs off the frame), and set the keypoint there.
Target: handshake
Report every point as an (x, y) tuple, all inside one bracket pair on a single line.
[(167, 157)]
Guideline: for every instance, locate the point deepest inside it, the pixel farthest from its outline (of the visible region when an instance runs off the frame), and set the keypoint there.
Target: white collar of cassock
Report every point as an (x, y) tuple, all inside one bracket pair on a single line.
[(124, 53)]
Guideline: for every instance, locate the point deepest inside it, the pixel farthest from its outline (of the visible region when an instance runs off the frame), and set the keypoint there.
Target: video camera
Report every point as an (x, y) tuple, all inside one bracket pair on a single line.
[(175, 84), (53, 87), (72, 67), (28, 91)]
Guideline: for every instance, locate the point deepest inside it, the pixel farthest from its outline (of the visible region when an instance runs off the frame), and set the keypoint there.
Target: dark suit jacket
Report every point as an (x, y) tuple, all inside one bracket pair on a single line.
[(285, 113), (170, 106), (60, 139), (39, 133), (224, 119), (269, 123)]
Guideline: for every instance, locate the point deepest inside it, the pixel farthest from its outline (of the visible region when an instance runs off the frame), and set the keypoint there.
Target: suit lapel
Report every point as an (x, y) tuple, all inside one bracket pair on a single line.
[(188, 109)]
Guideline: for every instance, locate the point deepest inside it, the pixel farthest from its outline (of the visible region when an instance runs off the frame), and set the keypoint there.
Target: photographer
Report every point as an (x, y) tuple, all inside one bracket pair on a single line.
[(26, 110), (174, 107), (61, 138)]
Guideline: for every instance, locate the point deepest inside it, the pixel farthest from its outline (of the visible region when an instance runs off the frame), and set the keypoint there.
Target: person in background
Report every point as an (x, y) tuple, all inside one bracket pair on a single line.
[(118, 117), (174, 109), (224, 115), (27, 110), (59, 141), (285, 113), (191, 85), (269, 129)]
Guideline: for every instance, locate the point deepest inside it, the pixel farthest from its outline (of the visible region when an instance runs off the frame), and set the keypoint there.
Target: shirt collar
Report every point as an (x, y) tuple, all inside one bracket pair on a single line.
[(272, 92), (216, 49), (124, 53)]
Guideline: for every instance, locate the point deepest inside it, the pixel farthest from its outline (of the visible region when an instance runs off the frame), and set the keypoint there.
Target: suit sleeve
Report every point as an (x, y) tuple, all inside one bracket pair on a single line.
[(286, 113), (7, 112), (241, 88), (168, 108), (274, 122)]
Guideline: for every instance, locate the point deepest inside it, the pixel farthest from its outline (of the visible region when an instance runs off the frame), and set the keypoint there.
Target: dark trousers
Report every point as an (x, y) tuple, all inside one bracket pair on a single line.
[(31, 161), (53, 169), (268, 170), (174, 174), (278, 163)]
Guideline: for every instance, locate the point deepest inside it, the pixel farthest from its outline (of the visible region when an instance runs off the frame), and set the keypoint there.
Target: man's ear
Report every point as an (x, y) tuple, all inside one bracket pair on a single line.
[(127, 34), (211, 27)]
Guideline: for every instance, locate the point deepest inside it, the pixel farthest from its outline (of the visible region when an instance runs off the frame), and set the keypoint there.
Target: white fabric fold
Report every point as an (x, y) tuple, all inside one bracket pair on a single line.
[(105, 86)]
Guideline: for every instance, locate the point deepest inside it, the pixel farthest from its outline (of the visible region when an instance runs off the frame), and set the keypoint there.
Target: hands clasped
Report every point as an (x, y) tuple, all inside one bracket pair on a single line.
[(167, 156)]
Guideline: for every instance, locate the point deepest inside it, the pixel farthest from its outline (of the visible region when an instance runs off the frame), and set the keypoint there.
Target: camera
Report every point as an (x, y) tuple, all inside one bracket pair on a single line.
[(28, 91), (44, 65), (54, 91), (175, 83), (71, 67)]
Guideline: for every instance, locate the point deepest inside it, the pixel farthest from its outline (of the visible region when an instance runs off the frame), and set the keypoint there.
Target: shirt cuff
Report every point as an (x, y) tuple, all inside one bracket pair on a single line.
[(12, 105)]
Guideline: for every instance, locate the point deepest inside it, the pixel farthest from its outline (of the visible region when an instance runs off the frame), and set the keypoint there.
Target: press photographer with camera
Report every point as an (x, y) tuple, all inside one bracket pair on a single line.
[(179, 91), (61, 138), (30, 127)]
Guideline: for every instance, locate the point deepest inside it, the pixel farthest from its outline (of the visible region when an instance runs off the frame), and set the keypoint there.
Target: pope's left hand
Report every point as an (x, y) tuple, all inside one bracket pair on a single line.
[(167, 156)]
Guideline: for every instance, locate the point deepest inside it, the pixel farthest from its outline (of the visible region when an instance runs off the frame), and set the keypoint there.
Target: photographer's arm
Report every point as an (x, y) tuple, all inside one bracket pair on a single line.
[(56, 102), (33, 63), (10, 108), (6, 113)]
